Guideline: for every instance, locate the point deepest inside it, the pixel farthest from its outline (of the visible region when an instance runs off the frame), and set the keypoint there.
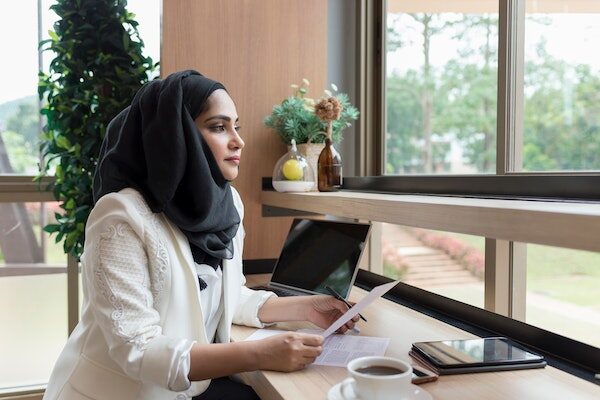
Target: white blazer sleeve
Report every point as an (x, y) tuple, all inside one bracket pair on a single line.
[(119, 287)]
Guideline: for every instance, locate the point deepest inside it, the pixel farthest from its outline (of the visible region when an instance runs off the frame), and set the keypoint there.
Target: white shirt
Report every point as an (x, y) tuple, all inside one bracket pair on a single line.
[(210, 298)]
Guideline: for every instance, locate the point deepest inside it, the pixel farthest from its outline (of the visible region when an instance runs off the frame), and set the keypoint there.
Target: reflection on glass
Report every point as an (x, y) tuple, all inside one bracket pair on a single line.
[(441, 87)]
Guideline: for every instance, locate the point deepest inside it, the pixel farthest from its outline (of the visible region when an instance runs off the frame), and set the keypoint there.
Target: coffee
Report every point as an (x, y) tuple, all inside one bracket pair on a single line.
[(379, 370)]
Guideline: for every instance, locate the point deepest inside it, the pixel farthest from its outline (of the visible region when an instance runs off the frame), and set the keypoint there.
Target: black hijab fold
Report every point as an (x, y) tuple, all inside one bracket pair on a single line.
[(155, 147)]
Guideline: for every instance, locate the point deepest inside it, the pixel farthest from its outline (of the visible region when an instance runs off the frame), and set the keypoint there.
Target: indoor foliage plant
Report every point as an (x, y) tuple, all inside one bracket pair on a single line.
[(97, 68), (295, 117)]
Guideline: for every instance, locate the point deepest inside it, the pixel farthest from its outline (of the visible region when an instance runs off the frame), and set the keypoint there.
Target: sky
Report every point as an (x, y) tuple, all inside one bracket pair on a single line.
[(19, 38)]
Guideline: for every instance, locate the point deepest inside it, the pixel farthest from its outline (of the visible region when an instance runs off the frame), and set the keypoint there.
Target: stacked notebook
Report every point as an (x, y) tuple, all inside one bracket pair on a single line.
[(474, 355)]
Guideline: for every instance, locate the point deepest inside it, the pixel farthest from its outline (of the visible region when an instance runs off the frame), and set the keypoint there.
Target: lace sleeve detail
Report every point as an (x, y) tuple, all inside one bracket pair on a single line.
[(122, 279)]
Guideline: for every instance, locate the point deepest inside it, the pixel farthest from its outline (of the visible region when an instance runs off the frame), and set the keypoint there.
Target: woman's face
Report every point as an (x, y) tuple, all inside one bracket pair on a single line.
[(219, 127)]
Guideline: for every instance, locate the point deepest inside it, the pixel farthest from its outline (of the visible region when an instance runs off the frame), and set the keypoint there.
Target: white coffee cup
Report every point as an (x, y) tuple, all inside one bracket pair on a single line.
[(374, 378)]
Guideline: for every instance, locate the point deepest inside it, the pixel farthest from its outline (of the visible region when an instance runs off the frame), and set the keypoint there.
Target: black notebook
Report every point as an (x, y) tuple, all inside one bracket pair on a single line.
[(475, 355)]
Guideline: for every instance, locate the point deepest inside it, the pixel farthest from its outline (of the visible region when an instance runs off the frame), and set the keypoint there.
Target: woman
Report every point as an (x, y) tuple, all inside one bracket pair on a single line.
[(162, 266)]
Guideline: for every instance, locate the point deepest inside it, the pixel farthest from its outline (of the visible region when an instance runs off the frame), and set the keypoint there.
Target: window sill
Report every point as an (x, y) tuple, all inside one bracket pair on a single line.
[(562, 224)]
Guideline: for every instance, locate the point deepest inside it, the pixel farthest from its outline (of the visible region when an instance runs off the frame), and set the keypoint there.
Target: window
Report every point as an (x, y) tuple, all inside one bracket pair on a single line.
[(561, 127), (491, 99), (562, 292), (33, 294), (441, 87), (19, 109)]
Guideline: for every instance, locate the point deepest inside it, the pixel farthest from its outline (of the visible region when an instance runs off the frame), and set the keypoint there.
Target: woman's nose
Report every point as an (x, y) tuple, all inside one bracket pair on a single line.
[(237, 142)]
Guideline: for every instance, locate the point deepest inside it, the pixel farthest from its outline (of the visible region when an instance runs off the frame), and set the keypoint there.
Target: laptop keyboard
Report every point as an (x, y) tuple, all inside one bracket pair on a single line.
[(278, 291)]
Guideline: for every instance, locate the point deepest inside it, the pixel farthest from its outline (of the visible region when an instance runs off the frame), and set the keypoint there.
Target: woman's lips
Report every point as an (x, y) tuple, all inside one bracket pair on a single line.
[(235, 160)]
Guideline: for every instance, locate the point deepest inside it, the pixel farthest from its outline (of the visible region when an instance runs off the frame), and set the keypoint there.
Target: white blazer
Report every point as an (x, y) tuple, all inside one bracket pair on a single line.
[(141, 309)]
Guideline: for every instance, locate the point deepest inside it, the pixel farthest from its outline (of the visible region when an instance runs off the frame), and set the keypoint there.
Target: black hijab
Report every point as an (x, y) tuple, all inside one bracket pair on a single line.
[(155, 147)]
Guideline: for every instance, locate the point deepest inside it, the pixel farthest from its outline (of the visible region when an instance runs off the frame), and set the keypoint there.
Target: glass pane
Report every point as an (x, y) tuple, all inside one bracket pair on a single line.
[(449, 264), (562, 86), (441, 87), (33, 295), (19, 121), (562, 292)]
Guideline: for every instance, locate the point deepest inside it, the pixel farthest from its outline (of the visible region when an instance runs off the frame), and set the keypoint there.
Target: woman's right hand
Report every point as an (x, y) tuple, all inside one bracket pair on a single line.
[(290, 351)]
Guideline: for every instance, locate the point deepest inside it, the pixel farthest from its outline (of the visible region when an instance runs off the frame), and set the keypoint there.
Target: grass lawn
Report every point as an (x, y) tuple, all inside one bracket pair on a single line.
[(537, 313), (564, 274)]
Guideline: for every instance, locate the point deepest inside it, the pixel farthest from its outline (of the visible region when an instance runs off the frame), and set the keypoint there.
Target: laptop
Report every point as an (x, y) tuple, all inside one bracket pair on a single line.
[(317, 254)]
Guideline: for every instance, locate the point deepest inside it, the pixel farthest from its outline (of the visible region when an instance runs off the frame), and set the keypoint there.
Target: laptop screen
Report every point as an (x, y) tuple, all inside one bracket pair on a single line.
[(320, 253)]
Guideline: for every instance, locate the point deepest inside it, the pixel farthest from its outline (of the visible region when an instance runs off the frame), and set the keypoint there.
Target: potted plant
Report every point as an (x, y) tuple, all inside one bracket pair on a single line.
[(295, 118)]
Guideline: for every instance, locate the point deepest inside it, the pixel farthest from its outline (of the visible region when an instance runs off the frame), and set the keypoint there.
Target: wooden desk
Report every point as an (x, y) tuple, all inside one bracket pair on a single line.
[(405, 326)]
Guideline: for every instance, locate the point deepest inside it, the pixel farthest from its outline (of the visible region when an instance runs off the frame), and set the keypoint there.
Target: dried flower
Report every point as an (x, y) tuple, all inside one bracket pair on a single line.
[(328, 109)]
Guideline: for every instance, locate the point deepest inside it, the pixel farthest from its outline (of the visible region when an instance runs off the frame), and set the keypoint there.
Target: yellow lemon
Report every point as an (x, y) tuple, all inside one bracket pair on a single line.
[(292, 170)]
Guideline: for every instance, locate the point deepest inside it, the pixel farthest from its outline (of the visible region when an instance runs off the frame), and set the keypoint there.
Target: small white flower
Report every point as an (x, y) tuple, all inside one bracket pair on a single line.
[(294, 86), (305, 81), (334, 87), (327, 92)]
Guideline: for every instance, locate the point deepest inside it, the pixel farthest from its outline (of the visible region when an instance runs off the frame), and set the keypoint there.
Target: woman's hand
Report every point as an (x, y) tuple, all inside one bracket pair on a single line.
[(323, 310), (288, 352)]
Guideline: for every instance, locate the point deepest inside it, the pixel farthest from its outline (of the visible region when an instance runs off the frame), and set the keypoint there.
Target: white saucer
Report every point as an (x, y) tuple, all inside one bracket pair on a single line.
[(335, 393)]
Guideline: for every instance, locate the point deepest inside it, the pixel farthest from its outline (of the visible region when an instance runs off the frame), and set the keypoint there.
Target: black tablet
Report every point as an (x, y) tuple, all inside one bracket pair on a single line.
[(495, 351)]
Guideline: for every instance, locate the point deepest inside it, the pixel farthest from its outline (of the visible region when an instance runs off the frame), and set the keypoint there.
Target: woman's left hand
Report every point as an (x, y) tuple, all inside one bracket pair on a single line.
[(323, 310)]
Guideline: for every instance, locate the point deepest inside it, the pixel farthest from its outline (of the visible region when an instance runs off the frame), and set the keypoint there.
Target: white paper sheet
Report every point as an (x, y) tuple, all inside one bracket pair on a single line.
[(338, 350), (375, 293)]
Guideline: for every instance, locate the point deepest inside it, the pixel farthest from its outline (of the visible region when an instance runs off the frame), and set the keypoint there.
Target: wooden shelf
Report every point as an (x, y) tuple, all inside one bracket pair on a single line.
[(564, 224)]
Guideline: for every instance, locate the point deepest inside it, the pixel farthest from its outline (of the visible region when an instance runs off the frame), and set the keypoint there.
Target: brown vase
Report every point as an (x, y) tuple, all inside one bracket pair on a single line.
[(329, 176)]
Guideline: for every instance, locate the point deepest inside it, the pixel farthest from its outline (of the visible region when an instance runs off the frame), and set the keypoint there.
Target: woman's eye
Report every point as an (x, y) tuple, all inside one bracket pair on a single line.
[(217, 128), (238, 128)]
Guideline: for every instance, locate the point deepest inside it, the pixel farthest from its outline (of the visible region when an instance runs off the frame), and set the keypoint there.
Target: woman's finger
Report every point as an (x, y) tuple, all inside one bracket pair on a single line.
[(311, 352), (340, 306), (312, 340)]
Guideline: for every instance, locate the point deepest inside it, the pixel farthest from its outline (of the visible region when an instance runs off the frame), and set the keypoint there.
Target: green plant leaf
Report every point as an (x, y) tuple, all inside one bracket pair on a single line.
[(83, 90), (53, 35)]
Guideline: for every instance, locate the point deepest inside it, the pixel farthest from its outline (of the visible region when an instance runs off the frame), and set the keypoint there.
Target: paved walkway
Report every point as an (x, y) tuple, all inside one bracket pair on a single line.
[(426, 267)]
